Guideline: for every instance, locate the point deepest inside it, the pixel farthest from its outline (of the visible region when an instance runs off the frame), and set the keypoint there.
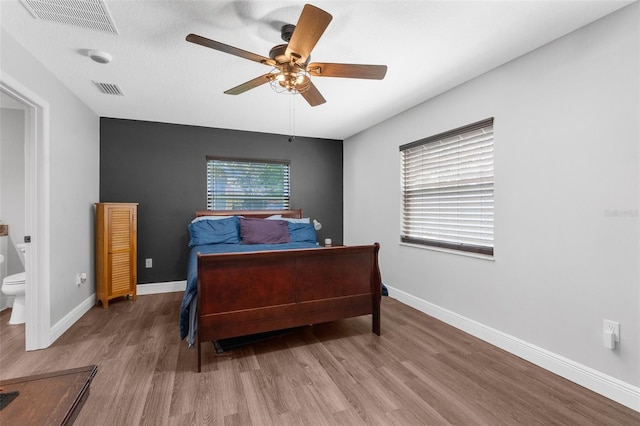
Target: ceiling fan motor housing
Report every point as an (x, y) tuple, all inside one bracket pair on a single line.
[(277, 53)]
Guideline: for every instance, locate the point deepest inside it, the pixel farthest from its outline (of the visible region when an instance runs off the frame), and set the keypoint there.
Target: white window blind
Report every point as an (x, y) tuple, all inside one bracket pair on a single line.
[(447, 189), (234, 184)]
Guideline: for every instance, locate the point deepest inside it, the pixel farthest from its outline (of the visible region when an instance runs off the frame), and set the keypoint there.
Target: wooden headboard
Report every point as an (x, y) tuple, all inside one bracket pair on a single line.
[(259, 214)]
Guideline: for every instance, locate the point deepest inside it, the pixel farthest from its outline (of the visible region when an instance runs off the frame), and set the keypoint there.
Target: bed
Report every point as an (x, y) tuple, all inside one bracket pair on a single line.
[(237, 286)]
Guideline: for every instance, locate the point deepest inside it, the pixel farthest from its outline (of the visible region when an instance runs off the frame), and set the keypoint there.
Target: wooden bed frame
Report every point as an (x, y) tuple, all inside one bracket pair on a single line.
[(247, 293)]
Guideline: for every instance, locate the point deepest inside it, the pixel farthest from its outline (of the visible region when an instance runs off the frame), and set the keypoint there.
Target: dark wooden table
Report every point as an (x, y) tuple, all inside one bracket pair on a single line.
[(47, 399)]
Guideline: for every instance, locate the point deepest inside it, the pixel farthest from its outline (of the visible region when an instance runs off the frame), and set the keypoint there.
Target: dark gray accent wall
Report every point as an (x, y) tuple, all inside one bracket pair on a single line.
[(163, 168)]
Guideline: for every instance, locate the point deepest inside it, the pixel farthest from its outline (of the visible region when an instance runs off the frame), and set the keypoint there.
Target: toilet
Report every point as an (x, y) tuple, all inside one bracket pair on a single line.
[(14, 285)]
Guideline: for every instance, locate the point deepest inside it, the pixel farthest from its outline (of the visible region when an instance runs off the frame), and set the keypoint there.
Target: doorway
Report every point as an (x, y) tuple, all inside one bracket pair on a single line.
[(36, 226)]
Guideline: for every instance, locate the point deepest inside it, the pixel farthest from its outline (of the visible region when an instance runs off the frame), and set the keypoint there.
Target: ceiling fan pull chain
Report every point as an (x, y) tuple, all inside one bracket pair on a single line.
[(292, 118)]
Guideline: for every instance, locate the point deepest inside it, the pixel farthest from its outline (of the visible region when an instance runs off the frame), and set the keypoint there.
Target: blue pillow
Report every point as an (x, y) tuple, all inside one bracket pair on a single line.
[(223, 231), (302, 232)]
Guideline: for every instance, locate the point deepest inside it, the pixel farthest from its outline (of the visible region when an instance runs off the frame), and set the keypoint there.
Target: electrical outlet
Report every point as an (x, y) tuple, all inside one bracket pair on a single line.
[(148, 263), (612, 326), (81, 278)]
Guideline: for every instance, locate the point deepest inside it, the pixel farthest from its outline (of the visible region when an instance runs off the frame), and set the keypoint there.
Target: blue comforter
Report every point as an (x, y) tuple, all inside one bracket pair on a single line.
[(188, 306)]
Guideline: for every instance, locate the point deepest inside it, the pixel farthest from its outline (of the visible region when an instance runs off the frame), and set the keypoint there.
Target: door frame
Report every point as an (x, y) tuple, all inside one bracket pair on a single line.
[(37, 193)]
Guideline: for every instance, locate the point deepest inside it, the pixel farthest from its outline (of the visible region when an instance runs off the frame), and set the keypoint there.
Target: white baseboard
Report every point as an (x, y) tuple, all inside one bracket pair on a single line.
[(610, 387), (65, 323), (165, 287)]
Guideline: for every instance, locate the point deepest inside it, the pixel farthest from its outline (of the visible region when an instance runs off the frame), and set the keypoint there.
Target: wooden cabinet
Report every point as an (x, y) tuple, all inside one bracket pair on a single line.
[(116, 251)]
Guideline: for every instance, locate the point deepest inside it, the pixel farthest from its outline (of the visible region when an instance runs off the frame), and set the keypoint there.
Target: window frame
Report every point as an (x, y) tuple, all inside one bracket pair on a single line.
[(285, 197), (423, 231)]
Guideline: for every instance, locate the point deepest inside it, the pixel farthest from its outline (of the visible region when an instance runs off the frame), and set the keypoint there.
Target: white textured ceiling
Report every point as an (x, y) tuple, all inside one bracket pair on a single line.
[(428, 46)]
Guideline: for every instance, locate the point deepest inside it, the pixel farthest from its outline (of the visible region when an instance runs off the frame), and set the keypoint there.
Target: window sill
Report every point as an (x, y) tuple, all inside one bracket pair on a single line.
[(451, 251)]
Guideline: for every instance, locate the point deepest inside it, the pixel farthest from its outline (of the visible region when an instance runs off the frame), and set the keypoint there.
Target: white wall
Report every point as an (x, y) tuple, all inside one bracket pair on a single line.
[(12, 183), (11, 192), (566, 198), (74, 162)]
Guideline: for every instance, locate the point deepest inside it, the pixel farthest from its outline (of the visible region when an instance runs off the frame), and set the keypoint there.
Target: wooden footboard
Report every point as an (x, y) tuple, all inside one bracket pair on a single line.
[(247, 293)]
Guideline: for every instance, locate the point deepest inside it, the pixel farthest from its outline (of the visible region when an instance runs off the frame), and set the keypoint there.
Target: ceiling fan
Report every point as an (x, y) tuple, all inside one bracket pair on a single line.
[(291, 68)]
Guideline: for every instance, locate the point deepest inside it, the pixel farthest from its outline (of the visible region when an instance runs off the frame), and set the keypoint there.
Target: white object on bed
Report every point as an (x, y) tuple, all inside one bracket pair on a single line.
[(303, 220), (198, 219), (289, 219)]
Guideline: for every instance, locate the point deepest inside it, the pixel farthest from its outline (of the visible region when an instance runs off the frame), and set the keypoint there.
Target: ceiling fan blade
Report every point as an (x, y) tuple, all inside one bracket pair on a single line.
[(313, 96), (311, 24), (372, 72), (251, 84), (202, 41)]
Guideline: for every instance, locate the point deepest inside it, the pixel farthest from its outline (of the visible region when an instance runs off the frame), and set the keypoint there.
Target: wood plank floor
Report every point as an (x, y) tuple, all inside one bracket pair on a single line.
[(419, 372)]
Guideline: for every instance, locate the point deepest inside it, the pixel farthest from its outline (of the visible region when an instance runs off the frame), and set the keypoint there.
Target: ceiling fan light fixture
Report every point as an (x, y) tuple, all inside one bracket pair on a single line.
[(303, 83), (290, 80)]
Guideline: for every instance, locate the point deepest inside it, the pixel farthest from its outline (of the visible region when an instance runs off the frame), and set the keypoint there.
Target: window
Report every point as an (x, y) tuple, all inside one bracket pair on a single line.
[(247, 184), (447, 189)]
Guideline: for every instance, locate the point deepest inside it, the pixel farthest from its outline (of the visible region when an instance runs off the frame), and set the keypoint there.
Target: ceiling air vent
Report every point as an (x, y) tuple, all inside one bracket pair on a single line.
[(109, 89), (89, 14)]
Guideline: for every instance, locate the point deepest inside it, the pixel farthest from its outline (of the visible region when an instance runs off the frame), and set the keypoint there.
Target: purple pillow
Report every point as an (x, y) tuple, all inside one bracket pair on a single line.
[(261, 231)]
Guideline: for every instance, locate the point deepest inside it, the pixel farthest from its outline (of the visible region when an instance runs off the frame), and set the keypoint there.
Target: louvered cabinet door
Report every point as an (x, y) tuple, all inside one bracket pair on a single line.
[(116, 251)]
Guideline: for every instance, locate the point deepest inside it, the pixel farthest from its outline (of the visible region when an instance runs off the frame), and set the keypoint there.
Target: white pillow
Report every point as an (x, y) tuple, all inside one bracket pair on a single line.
[(274, 217), (198, 219), (292, 220)]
